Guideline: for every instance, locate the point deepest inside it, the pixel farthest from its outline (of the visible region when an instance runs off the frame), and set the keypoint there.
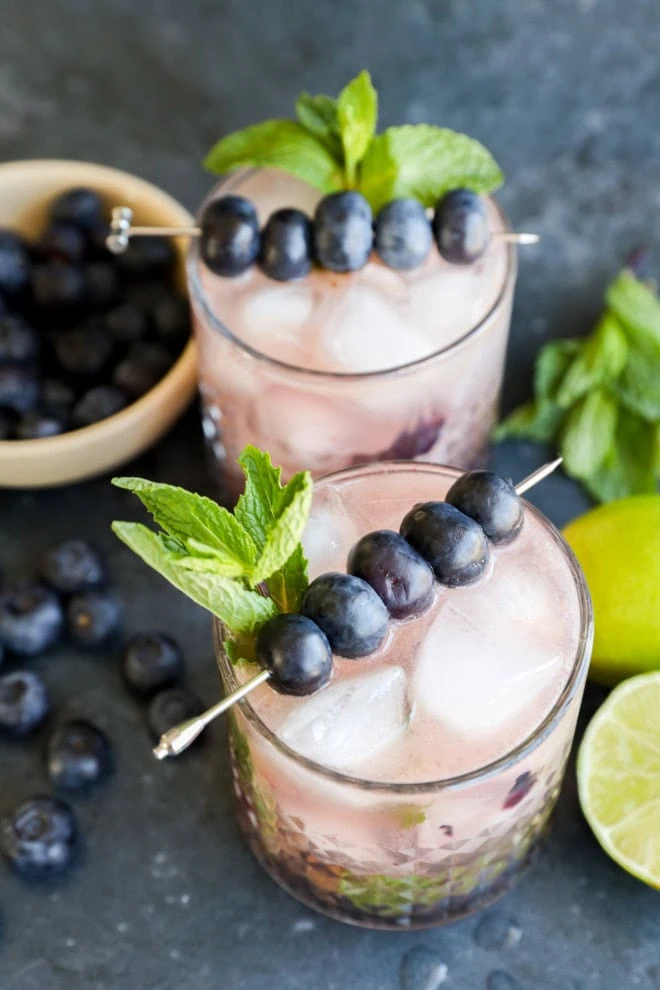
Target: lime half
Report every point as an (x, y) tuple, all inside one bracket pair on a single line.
[(619, 776)]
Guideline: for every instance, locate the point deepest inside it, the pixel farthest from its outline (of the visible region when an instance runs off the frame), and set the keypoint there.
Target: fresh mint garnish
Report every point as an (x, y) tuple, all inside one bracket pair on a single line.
[(599, 398), (333, 145), (243, 567)]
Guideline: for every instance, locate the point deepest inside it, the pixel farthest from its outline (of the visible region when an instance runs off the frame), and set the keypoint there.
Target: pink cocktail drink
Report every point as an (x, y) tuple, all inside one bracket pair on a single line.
[(415, 787)]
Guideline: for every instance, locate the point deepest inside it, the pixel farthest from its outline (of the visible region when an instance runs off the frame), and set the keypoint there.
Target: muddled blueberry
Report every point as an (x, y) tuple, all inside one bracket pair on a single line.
[(102, 287), (39, 426), (78, 756), (297, 653), (343, 234), (63, 241), (349, 612), (402, 234), (31, 619), (40, 838), (81, 206), (455, 546), (15, 268), (19, 388), (229, 241), (72, 566), (396, 572), (93, 617), (142, 368), (24, 702), (126, 323), (286, 245), (57, 397), (490, 500), (520, 789), (460, 227), (19, 343), (146, 257), (99, 403), (83, 352), (151, 661), (169, 707), (170, 316), (58, 287)]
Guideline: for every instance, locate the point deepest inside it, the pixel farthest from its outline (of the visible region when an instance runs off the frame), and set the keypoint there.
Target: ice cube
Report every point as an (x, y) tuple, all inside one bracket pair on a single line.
[(366, 333), (350, 721), (273, 318), (330, 532)]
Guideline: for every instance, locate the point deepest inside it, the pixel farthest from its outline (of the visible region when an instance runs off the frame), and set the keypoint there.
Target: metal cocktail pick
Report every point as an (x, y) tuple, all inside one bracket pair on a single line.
[(175, 740), (122, 229)]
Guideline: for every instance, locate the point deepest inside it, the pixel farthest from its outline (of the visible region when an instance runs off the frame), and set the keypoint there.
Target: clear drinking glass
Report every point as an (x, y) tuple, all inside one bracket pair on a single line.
[(279, 365), (394, 855)]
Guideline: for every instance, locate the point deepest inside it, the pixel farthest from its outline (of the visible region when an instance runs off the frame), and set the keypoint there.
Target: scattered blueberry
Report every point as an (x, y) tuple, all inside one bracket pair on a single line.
[(93, 617), (102, 287), (490, 500), (18, 342), (147, 257), (126, 323), (15, 268), (170, 707), (81, 206), (31, 619), (170, 316), (83, 352), (24, 702), (396, 572), (40, 838), (72, 566), (286, 245), (460, 227), (97, 404), (78, 755), (19, 388), (296, 652), (57, 397), (229, 241), (402, 234), (455, 546), (58, 286), (63, 241), (349, 612), (343, 234), (151, 661), (141, 369), (39, 426)]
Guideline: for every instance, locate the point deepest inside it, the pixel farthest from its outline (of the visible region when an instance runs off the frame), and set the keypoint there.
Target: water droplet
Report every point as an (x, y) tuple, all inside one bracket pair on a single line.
[(497, 931), (422, 969), (499, 980)]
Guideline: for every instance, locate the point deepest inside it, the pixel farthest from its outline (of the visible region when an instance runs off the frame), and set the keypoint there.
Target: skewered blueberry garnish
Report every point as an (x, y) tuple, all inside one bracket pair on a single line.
[(460, 227), (296, 652), (349, 612), (286, 245), (455, 546), (343, 233), (403, 236), (40, 838), (78, 756), (151, 661), (490, 500), (24, 702), (396, 572), (230, 235), (72, 566)]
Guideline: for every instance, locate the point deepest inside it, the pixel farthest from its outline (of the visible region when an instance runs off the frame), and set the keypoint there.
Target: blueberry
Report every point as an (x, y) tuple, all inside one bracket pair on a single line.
[(57, 398), (92, 618), (141, 369), (151, 661), (170, 316), (146, 257), (126, 323), (296, 652), (63, 241), (19, 388), (348, 611), (72, 566), (101, 284), (15, 268), (31, 619), (229, 242), (83, 352), (403, 235), (170, 707), (97, 404), (39, 426), (58, 287), (460, 227), (490, 500), (40, 838), (343, 234), (78, 755), (286, 245), (81, 206), (24, 702), (18, 342), (455, 546), (396, 572)]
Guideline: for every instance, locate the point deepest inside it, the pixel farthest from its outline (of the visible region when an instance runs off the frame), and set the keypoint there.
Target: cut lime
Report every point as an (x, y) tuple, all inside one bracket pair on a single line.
[(618, 546), (619, 776)]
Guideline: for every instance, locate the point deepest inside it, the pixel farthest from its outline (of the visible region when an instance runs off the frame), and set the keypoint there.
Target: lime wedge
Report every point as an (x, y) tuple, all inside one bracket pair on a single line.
[(619, 776)]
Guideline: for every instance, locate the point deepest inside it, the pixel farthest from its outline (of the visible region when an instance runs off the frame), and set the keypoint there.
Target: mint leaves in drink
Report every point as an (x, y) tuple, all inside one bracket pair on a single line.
[(334, 145), (598, 399), (244, 567)]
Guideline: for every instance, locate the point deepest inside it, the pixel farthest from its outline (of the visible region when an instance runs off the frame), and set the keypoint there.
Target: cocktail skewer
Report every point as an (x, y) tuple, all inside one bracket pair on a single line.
[(180, 737)]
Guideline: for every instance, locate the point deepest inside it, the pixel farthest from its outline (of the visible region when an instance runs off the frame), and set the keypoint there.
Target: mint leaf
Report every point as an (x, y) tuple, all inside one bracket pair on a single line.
[(239, 609), (637, 308), (257, 508), (283, 144), (425, 162), (286, 529), (588, 433), (318, 115), (288, 585), (552, 364), (639, 386), (599, 362), (538, 420), (197, 523), (357, 114), (630, 467)]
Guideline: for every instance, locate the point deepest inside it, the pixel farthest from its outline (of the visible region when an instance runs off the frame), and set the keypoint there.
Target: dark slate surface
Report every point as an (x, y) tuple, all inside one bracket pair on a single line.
[(566, 95)]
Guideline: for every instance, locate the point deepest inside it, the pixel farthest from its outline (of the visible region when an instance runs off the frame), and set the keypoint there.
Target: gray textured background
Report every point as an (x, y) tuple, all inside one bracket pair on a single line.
[(566, 95)]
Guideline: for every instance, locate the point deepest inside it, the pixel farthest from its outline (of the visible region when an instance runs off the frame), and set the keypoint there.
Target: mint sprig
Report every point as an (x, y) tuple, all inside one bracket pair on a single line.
[(333, 145), (243, 567), (598, 399)]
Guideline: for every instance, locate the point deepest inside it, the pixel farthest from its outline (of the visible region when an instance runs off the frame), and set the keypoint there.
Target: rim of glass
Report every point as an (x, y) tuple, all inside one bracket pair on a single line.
[(198, 296), (512, 756)]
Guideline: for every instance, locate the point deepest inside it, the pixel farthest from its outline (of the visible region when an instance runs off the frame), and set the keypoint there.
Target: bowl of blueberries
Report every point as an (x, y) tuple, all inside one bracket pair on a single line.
[(96, 356)]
